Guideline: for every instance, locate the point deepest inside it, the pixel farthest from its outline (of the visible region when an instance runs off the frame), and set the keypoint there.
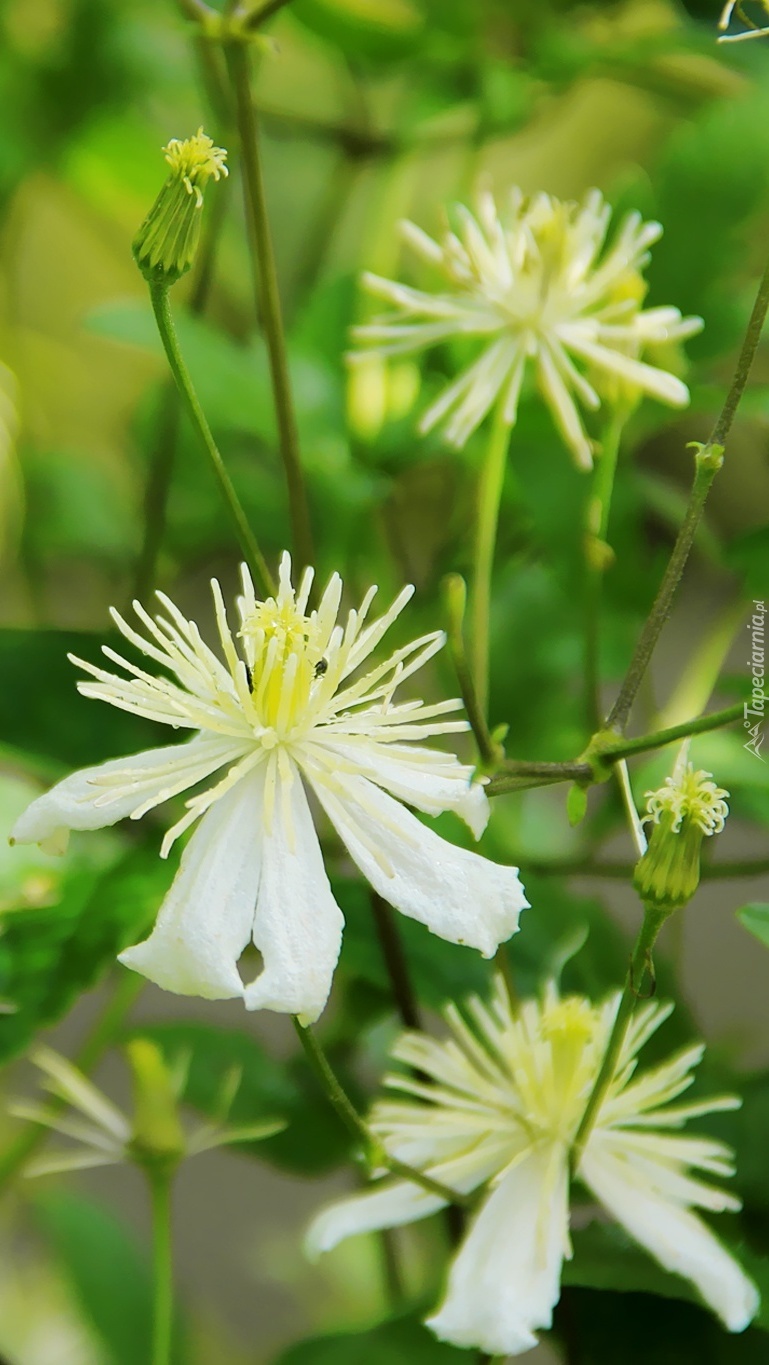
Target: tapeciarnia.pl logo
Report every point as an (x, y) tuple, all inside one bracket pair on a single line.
[(754, 710)]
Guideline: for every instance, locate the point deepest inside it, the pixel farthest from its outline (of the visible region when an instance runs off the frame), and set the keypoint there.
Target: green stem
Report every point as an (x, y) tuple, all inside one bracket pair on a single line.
[(487, 517), (640, 966), (596, 550), (160, 1183), (99, 1039), (268, 296), (395, 961), (248, 542), (455, 594), (166, 437), (588, 867), (708, 462), (624, 748), (358, 1127)]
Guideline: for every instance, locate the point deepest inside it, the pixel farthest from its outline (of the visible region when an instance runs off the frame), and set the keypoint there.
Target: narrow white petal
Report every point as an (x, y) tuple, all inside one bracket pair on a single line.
[(96, 797), (505, 1280), (658, 383), (386, 1206), (205, 920), (459, 895), (433, 782), (298, 924), (674, 1235)]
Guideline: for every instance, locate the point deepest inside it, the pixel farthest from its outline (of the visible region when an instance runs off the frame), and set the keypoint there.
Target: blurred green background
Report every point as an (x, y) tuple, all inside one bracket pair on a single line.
[(372, 110)]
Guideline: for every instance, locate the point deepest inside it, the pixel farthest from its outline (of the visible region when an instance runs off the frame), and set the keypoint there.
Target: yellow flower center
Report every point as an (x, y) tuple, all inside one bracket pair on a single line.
[(555, 1074), (195, 161), (284, 659), (690, 796)]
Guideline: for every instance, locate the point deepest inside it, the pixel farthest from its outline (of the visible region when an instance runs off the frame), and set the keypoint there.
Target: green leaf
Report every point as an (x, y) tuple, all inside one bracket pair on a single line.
[(438, 971), (637, 1328), (749, 555), (42, 712), (48, 957), (755, 918), (109, 1272), (268, 1089), (391, 1343)]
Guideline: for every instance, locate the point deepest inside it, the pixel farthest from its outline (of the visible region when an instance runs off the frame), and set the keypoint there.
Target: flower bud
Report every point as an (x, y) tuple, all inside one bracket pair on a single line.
[(165, 245), (157, 1138), (688, 807)]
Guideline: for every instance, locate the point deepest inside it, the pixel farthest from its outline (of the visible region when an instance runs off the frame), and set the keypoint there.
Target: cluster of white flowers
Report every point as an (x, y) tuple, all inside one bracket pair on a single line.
[(538, 286), (498, 1105), (293, 708)]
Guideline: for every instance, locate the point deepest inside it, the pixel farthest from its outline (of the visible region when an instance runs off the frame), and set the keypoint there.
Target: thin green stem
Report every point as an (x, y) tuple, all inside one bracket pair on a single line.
[(248, 542), (455, 595), (160, 1183), (395, 961), (357, 1126), (641, 967), (487, 517), (704, 474), (621, 871), (625, 748), (108, 1024), (708, 462), (166, 435), (596, 552), (268, 296)]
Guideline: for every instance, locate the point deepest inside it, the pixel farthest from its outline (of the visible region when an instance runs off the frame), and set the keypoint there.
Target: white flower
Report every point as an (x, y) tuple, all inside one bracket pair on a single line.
[(284, 715), (538, 285), (750, 31), (502, 1106), (104, 1136)]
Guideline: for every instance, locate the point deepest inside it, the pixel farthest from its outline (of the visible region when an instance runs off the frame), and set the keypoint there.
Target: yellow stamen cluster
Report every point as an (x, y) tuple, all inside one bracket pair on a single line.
[(284, 652), (194, 161), (690, 795)]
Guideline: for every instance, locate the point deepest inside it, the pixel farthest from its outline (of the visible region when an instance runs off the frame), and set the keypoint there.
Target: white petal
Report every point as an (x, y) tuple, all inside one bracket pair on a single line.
[(505, 1280), (433, 782), (205, 920), (298, 924), (674, 1235), (93, 798), (395, 1203), (459, 895)]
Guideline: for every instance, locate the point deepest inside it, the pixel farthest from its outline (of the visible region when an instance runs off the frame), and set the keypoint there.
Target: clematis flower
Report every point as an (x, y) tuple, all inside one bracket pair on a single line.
[(539, 287), (687, 809), (284, 716), (102, 1135), (498, 1105)]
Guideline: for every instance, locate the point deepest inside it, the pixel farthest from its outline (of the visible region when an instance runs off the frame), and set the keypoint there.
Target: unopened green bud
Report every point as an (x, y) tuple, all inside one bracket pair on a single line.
[(687, 809), (157, 1138), (166, 243)]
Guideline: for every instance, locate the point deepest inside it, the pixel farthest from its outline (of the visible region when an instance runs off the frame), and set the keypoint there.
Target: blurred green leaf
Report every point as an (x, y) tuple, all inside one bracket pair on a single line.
[(391, 1343), (42, 712), (379, 30), (48, 957), (755, 918), (749, 555), (439, 971), (110, 1273), (648, 1328)]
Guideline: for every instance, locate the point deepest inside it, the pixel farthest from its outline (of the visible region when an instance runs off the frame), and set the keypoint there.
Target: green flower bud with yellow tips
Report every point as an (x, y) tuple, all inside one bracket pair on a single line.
[(166, 243), (687, 809)]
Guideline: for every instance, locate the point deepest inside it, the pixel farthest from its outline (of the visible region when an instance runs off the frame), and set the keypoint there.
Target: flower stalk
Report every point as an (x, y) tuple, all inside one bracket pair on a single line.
[(248, 542), (160, 1182), (641, 969), (708, 460), (374, 1154), (268, 295), (490, 487)]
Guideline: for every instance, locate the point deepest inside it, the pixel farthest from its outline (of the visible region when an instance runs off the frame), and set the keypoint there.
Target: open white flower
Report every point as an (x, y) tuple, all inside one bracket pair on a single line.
[(285, 714), (502, 1107), (539, 286)]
